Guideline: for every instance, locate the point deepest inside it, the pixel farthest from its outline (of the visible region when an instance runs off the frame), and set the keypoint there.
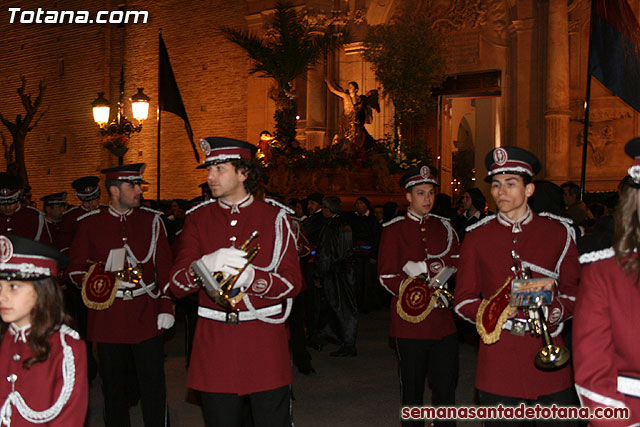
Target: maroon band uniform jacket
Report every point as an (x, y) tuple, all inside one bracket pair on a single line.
[(68, 226), (27, 222), (42, 384), (546, 246), (606, 338), (127, 321), (412, 238), (253, 355)]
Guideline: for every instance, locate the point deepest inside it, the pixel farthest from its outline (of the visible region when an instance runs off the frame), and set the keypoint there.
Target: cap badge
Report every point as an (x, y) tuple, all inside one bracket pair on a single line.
[(5, 191), (425, 172), (500, 156), (6, 249), (206, 148)]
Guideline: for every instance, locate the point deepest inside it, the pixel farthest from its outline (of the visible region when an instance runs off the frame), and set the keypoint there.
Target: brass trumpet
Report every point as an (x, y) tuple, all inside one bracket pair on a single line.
[(551, 356), (442, 292), (222, 295), (132, 274)]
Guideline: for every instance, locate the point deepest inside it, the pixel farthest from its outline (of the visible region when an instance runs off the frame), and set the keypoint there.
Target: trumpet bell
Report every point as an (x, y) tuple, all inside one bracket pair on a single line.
[(552, 357), (443, 292)]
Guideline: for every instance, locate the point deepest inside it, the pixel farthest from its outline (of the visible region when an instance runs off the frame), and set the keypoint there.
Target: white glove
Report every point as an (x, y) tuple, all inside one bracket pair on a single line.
[(246, 278), (126, 285), (165, 321), (226, 260), (414, 269)]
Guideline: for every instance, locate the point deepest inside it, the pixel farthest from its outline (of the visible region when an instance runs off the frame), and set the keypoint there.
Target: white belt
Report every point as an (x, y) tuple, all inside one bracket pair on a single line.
[(234, 317), (629, 386), (132, 293)]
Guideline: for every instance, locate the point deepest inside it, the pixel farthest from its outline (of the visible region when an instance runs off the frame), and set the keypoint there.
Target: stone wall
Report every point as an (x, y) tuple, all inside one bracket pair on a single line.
[(78, 60)]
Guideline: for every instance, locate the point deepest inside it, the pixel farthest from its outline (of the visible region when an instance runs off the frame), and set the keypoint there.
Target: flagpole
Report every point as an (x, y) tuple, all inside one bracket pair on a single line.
[(587, 102), (159, 116), (585, 141)]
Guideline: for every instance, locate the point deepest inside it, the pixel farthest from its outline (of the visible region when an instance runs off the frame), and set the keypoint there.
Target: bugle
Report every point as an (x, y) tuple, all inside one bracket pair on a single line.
[(219, 286), (551, 356)]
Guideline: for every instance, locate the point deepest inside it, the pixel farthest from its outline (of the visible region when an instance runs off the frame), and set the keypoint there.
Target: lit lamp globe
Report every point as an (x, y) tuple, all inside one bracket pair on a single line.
[(100, 110), (140, 106)]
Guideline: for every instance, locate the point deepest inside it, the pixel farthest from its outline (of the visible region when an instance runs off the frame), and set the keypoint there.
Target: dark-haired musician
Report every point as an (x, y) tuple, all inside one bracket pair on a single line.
[(605, 332), (241, 350), (420, 244), (130, 329), (506, 372)]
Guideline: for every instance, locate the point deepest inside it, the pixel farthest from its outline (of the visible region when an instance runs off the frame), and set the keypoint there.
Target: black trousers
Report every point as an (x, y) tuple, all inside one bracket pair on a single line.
[(148, 359), (436, 360), (298, 341), (271, 408), (565, 397), (366, 284)]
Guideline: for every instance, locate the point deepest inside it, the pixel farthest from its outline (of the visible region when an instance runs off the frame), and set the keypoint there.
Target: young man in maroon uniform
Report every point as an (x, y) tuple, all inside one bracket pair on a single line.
[(15, 218), (88, 192), (131, 328), (242, 349), (506, 372), (53, 208), (420, 244)]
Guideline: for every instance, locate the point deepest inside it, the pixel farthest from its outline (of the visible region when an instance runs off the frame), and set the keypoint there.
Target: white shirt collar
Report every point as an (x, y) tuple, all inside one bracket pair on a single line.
[(122, 215), (475, 215), (19, 333), (235, 207), (414, 216), (516, 226)]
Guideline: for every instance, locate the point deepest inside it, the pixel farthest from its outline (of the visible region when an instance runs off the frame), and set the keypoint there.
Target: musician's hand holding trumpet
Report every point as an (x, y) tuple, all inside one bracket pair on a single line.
[(227, 272), (419, 293), (230, 261), (533, 296)]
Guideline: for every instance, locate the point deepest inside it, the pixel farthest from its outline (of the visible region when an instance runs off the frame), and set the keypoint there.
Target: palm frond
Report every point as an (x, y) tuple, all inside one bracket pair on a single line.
[(289, 48)]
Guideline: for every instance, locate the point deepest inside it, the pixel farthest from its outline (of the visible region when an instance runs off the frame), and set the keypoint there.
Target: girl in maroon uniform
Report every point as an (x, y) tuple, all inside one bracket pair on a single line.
[(43, 359), (605, 327)]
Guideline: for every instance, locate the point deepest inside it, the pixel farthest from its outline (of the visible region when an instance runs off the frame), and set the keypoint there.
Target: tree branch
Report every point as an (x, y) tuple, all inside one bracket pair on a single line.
[(38, 120)]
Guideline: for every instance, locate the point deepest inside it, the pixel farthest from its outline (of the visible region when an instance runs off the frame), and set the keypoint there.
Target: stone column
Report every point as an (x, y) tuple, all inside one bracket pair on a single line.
[(316, 107), (444, 161), (523, 41), (557, 110)]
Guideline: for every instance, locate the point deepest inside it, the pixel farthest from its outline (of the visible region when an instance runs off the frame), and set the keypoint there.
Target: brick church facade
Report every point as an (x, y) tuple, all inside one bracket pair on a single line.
[(517, 76)]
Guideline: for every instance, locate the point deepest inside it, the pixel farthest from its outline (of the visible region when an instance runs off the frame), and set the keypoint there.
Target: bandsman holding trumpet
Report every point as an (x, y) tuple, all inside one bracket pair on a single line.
[(120, 257), (541, 246), (240, 254), (416, 251)]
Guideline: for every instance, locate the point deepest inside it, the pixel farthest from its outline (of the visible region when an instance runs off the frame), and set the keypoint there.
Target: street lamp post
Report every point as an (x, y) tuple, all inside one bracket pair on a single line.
[(120, 129)]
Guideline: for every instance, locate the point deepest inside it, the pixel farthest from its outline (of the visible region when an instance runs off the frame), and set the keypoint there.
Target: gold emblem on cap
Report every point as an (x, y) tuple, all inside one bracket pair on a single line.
[(206, 148), (425, 172), (500, 156), (6, 249)]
